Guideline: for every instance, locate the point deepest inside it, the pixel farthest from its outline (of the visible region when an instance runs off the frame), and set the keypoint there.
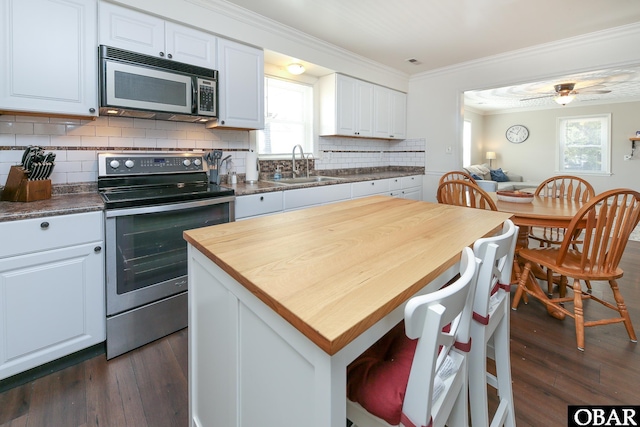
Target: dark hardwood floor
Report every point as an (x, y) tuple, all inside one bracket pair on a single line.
[(148, 386)]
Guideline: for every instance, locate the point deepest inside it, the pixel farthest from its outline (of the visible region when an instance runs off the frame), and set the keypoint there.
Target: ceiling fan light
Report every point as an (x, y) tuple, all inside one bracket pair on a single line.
[(295, 69), (564, 99)]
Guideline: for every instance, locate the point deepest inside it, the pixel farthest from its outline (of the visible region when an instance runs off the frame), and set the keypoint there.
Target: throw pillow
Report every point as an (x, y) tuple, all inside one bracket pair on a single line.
[(498, 175), (476, 177)]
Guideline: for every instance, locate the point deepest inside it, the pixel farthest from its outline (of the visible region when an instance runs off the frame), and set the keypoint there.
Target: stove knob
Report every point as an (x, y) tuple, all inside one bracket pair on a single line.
[(197, 162), (186, 162), (129, 163), (114, 164)]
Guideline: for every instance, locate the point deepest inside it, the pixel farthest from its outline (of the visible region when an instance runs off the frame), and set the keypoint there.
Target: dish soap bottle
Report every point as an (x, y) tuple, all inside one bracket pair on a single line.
[(278, 173)]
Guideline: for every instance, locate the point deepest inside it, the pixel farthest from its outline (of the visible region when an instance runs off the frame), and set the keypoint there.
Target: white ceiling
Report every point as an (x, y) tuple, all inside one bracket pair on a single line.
[(440, 33)]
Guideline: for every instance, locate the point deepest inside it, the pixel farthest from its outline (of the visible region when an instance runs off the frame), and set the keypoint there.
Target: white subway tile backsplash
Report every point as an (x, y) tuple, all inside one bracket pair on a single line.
[(85, 138), (16, 128), (25, 140), (49, 129), (81, 130), (108, 131)]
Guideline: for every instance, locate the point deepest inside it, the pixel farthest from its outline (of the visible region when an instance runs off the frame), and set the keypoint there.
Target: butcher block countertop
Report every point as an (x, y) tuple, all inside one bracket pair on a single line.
[(333, 271)]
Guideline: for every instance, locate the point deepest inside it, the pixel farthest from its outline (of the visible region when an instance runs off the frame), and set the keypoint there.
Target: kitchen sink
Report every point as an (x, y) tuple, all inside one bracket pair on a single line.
[(303, 180)]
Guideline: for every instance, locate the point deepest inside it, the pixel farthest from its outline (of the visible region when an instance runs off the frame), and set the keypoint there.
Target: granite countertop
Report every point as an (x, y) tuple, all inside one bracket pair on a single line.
[(243, 189), (68, 200)]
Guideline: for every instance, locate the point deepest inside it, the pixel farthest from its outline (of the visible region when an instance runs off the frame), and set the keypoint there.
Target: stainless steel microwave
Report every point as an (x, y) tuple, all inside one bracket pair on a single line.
[(141, 86)]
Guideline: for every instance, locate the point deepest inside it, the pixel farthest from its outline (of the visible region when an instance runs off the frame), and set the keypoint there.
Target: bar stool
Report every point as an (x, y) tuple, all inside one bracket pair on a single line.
[(417, 374), (490, 325)]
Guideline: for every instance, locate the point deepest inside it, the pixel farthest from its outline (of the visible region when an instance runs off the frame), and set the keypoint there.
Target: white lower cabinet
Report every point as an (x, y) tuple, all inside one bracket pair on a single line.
[(408, 187), (51, 295)]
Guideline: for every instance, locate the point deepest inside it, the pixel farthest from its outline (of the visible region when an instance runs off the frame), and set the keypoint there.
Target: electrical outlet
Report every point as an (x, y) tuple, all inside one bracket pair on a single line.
[(628, 157)]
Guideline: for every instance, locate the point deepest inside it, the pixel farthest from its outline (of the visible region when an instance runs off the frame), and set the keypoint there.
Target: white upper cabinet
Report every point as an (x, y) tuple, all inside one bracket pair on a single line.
[(398, 115), (346, 106), (240, 85), (353, 107), (49, 57), (138, 32), (390, 113)]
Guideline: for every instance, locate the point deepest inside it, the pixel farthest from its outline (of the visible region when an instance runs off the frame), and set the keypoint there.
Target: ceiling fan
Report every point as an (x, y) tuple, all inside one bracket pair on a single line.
[(566, 92)]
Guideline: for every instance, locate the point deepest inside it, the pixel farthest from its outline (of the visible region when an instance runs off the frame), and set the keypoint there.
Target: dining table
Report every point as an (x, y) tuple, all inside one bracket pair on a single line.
[(541, 211), (280, 305)]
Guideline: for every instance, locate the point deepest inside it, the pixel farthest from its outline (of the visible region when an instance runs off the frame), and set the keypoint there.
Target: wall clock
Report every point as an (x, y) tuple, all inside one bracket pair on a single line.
[(517, 134)]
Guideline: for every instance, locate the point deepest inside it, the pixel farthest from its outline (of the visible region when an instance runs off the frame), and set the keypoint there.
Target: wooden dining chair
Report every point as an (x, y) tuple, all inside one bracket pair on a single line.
[(606, 222), (417, 374), (456, 176), (566, 187), (464, 193), (490, 329)]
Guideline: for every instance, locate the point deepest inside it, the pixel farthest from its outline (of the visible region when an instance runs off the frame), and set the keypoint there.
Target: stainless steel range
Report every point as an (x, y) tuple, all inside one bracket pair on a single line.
[(150, 199)]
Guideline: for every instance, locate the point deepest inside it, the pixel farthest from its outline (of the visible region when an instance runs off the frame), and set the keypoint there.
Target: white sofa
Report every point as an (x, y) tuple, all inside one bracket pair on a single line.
[(516, 182)]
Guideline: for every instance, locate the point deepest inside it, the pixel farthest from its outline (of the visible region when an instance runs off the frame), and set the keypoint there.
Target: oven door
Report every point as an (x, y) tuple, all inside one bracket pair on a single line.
[(146, 254)]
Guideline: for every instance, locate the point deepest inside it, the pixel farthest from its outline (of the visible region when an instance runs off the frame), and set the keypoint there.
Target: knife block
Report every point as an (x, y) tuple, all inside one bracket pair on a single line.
[(19, 189)]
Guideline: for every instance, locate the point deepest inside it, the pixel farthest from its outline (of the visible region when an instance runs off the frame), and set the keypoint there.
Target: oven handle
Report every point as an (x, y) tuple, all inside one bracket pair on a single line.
[(170, 207)]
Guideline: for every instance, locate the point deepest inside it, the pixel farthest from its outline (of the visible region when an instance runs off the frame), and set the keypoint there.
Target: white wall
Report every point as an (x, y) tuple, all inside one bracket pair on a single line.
[(435, 101)]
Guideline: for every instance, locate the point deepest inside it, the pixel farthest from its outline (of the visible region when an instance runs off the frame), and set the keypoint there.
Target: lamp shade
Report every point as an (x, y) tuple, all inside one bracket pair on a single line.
[(564, 99), (491, 155)]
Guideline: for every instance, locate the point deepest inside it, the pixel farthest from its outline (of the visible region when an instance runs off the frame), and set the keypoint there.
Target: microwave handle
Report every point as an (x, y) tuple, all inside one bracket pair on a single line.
[(194, 95)]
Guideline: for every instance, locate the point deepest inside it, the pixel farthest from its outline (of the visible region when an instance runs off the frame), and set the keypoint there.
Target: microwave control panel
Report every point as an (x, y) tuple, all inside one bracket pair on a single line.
[(207, 97)]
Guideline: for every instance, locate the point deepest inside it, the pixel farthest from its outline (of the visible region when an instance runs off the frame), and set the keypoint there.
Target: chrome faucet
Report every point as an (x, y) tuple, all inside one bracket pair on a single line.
[(294, 169)]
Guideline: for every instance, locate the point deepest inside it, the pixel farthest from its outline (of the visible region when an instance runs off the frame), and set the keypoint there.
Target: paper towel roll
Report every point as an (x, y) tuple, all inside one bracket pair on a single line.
[(252, 167)]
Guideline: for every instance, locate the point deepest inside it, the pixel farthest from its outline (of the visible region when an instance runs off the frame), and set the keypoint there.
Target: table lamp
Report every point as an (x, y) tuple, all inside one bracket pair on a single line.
[(491, 155)]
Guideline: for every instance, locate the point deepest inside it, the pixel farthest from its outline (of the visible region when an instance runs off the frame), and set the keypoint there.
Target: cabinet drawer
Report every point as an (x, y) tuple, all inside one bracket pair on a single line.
[(395, 183), (38, 234), (258, 204), (369, 188), (411, 181)]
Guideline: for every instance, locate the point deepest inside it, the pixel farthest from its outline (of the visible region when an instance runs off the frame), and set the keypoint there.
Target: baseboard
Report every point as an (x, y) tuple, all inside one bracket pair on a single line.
[(51, 367)]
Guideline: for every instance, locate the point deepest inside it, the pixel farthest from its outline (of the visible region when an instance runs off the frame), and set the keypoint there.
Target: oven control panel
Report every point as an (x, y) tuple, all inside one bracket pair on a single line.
[(113, 164)]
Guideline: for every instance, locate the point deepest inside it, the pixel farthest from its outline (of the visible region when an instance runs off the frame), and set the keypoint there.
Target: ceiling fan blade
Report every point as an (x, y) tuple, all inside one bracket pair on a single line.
[(539, 97), (593, 91)]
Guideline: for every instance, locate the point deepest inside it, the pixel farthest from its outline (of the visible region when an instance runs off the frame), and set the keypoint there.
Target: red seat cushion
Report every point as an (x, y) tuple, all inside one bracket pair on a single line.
[(377, 379)]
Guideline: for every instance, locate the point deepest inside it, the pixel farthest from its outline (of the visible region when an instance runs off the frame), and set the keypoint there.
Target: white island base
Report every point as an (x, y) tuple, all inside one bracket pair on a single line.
[(249, 367)]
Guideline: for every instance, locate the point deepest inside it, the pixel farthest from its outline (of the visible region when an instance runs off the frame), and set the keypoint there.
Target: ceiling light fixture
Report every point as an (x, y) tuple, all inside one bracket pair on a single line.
[(564, 99), (295, 69)]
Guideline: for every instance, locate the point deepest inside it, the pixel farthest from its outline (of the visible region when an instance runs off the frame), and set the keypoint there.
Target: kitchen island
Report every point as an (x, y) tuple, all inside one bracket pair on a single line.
[(280, 305)]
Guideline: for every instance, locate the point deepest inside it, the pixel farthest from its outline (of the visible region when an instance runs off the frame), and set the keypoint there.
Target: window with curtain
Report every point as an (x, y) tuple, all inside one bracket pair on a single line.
[(584, 144), (288, 118)]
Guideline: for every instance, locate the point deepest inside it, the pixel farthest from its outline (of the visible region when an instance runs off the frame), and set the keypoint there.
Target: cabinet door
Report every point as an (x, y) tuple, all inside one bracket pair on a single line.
[(398, 115), (131, 30), (52, 305), (345, 105), (364, 108), (240, 85), (184, 44), (382, 112), (49, 54)]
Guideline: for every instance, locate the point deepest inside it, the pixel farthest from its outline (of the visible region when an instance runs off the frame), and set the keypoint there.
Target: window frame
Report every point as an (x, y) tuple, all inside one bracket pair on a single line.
[(605, 168), (309, 122)]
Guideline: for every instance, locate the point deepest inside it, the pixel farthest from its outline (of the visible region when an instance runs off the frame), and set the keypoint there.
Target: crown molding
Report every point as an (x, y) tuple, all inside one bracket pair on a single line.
[(545, 48)]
